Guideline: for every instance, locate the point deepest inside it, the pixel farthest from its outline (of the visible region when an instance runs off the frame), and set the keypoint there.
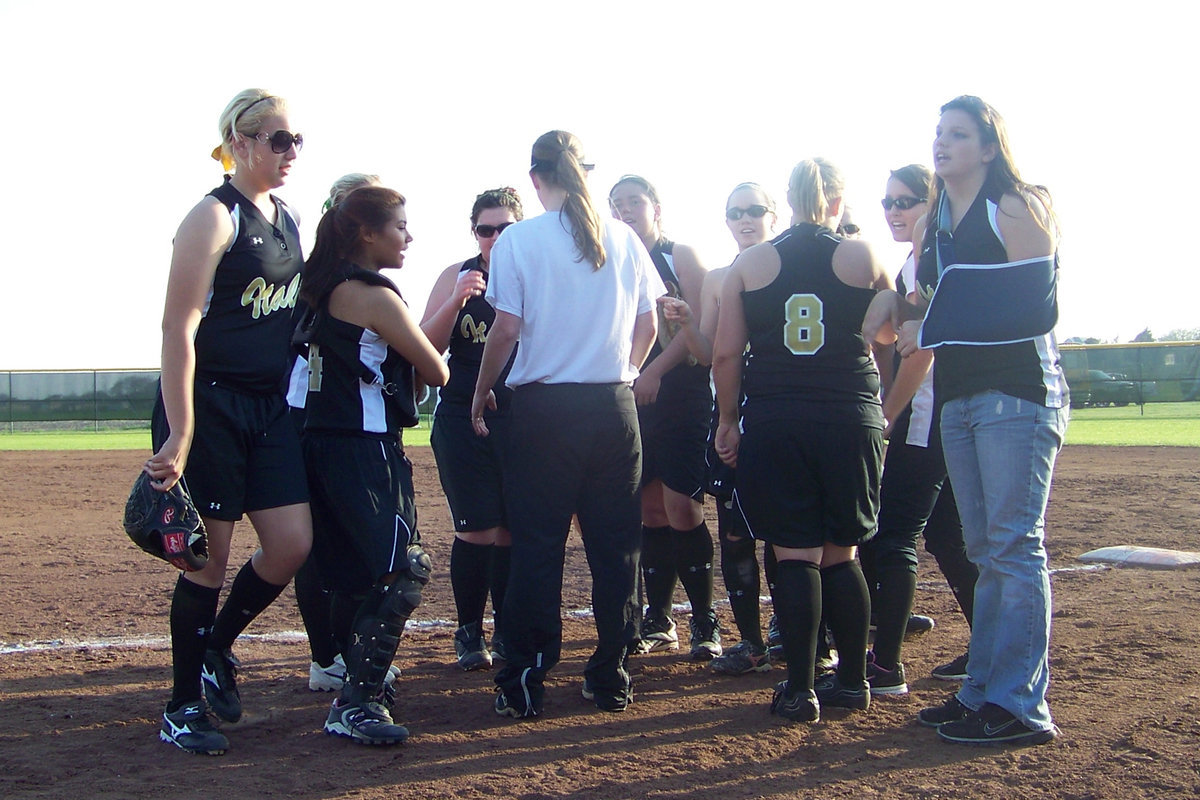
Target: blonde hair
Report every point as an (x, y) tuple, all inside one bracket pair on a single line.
[(812, 189), (347, 184), (558, 160), (241, 118)]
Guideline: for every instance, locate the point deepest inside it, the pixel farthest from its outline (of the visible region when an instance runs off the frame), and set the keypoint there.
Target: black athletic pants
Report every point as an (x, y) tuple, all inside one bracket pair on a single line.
[(577, 450)]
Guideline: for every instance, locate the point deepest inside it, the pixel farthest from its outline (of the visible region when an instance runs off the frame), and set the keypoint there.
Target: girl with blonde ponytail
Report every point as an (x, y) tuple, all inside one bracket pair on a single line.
[(580, 294)]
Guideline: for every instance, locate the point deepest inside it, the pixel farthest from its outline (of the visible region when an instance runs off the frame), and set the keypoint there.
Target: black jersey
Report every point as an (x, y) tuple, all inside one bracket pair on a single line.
[(357, 383), (688, 376), (1029, 369), (808, 359), (467, 341), (242, 340)]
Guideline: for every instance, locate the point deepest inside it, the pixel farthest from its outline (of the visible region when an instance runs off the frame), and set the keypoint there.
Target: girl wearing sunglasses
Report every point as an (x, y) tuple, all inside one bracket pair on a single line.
[(579, 294), (458, 318), (750, 217), (367, 357), (915, 496), (674, 405), (807, 439), (1004, 408), (221, 421)]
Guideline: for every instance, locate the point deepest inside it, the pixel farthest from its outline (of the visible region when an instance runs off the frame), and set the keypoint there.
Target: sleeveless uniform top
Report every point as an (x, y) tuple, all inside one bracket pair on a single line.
[(923, 422), (242, 340), (467, 341), (808, 359), (687, 377), (1028, 370), (357, 383)]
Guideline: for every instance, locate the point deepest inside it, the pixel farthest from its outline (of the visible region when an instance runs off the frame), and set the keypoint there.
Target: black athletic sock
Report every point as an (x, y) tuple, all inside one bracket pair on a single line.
[(343, 608), (797, 596), (658, 569), (694, 564), (868, 564), (960, 575), (739, 567), (247, 598), (770, 565), (313, 602), (891, 607), (501, 562), (193, 609), (469, 565), (845, 597)]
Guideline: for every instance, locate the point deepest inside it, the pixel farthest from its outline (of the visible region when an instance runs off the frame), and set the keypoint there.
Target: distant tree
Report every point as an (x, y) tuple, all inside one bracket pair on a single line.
[(1091, 340), (1182, 335), (1144, 336)]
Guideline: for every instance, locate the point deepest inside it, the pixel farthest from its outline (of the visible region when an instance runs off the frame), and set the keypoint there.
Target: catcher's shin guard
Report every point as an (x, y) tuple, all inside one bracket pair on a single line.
[(377, 633)]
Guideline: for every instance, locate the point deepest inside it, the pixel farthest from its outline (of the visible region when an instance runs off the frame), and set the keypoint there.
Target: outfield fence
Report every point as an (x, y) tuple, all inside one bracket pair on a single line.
[(81, 399), (1099, 375)]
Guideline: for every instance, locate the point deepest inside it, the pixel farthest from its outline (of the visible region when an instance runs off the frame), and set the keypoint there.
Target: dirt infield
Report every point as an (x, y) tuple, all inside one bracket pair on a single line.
[(79, 709)]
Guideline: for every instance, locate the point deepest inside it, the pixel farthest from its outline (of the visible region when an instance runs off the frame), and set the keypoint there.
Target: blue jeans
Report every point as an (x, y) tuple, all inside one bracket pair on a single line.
[(1000, 453)]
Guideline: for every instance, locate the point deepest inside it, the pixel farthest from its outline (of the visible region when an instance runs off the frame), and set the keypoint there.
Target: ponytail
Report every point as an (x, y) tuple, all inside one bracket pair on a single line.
[(340, 234), (558, 159), (812, 189)]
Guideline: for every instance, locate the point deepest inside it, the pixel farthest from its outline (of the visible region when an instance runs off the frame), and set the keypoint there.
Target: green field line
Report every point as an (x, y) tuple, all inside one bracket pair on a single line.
[(1159, 424)]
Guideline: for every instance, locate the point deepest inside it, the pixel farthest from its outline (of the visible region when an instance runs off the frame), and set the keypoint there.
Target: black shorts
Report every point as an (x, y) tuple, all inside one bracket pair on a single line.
[(719, 476), (471, 470), (674, 437), (245, 453), (805, 484), (363, 508)]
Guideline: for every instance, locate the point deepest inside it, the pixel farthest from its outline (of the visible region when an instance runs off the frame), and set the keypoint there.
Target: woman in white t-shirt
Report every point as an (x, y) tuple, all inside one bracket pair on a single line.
[(579, 292)]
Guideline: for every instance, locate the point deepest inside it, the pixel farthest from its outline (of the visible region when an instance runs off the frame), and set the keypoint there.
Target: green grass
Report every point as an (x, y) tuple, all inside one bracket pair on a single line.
[(129, 439), (1170, 424)]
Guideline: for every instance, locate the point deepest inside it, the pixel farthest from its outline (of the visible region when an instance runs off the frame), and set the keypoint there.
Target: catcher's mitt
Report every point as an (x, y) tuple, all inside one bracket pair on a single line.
[(166, 525)]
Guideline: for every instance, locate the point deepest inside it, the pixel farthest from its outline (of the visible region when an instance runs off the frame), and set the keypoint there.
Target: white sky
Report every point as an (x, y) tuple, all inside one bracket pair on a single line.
[(111, 111)]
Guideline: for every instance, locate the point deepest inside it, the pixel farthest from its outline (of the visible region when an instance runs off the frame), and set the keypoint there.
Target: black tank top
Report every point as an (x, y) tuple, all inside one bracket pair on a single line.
[(467, 341), (242, 339), (808, 359), (687, 379), (357, 383), (1029, 370)]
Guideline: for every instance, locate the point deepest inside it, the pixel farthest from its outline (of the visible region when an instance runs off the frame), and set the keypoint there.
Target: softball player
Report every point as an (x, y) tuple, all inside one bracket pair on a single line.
[(674, 405), (458, 318), (366, 355), (809, 442), (574, 414), (221, 420), (750, 217)]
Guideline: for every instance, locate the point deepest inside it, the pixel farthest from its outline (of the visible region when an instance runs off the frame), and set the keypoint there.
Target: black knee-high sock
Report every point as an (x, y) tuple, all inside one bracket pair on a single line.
[(658, 569), (501, 561), (247, 598), (693, 562), (193, 609), (739, 567), (848, 607), (343, 608), (869, 566), (313, 602), (770, 565), (891, 606), (797, 596), (469, 565)]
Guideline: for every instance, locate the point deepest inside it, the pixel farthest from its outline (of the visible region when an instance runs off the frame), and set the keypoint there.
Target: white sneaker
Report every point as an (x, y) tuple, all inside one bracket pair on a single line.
[(333, 677)]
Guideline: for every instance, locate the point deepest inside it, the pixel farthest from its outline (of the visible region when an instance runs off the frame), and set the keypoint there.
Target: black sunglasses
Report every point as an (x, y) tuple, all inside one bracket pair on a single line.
[(849, 229), (734, 213), (904, 202), (281, 141), (488, 231)]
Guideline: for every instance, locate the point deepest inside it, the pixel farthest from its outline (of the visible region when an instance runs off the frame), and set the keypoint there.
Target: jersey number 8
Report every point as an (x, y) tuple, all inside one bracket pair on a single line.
[(804, 324)]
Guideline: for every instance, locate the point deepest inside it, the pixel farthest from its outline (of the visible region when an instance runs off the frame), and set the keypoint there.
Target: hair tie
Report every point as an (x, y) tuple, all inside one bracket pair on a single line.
[(220, 155)]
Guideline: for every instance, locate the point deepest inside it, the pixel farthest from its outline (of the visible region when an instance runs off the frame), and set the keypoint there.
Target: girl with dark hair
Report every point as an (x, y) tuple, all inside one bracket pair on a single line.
[(807, 436), (674, 406), (914, 496), (221, 421), (574, 415), (366, 358), (458, 318), (1004, 402)]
